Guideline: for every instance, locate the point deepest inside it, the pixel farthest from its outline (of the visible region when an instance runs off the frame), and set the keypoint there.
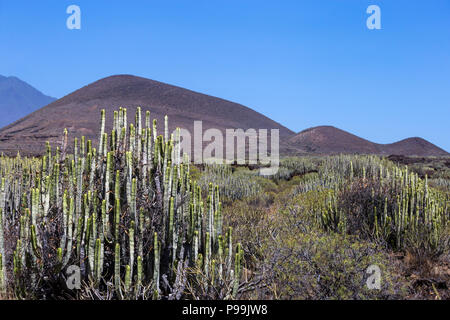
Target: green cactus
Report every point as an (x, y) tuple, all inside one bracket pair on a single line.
[(2, 255), (117, 280), (100, 220), (156, 265)]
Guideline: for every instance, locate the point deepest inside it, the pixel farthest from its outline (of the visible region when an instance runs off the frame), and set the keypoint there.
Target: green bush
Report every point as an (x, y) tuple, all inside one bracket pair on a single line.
[(317, 265), (292, 257)]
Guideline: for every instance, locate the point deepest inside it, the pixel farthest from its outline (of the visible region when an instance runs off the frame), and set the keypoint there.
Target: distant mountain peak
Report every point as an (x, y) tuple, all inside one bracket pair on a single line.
[(18, 98)]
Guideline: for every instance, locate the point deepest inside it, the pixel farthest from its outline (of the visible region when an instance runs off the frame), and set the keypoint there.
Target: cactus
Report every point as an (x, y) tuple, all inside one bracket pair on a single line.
[(156, 266), (417, 217), (117, 268), (72, 209), (2, 255)]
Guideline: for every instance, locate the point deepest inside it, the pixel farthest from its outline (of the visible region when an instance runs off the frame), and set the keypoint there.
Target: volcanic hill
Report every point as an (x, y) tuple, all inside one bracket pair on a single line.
[(331, 140), (79, 112)]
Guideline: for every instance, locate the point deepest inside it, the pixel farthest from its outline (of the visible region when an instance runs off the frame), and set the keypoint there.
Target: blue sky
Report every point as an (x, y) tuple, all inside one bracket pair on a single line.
[(301, 63)]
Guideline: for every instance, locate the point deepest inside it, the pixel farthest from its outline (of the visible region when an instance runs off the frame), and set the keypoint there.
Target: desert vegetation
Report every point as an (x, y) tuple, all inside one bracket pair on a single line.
[(126, 215), (322, 221), (140, 222)]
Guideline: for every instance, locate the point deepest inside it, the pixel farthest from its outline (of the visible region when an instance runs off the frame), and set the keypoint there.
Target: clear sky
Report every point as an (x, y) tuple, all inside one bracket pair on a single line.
[(301, 63)]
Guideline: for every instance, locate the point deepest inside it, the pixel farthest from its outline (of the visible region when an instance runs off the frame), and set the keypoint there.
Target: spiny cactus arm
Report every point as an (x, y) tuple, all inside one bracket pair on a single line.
[(85, 215), (98, 260), (117, 220), (65, 214), (89, 148), (208, 215), (92, 169), (131, 246), (116, 121), (213, 271), (127, 279), (139, 274), (166, 128), (78, 237), (34, 242), (102, 153), (34, 205), (178, 147), (2, 254), (113, 141), (138, 124), (117, 269), (125, 118), (147, 119), (108, 177), (141, 233), (220, 253), (192, 222), (70, 222), (199, 262), (176, 230), (56, 185), (149, 148), (59, 256), (132, 203), (2, 275), (101, 141), (83, 147), (132, 137), (229, 248), (237, 269), (166, 167), (122, 146), (156, 265), (92, 242), (220, 220), (171, 223), (207, 253), (64, 145), (195, 246), (79, 191), (117, 186)]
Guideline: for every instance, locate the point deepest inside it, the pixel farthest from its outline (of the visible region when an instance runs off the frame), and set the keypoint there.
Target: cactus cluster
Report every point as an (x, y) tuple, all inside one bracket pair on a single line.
[(232, 186), (294, 166), (126, 214), (403, 212)]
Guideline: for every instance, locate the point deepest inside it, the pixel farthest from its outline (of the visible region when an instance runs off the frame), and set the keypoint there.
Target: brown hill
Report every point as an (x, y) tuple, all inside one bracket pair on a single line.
[(331, 140), (79, 112), (414, 147)]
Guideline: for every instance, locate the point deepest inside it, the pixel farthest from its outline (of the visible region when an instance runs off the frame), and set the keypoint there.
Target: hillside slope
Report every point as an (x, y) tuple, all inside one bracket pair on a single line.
[(331, 140), (79, 112), (18, 98)]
